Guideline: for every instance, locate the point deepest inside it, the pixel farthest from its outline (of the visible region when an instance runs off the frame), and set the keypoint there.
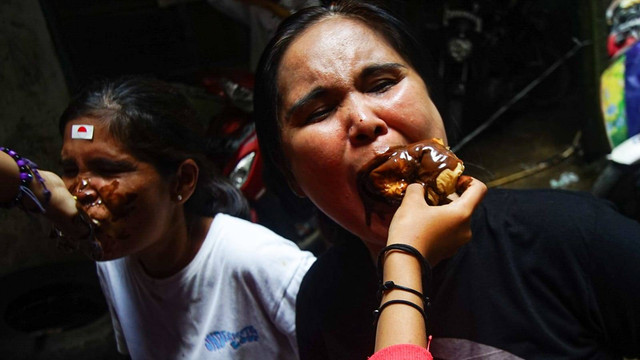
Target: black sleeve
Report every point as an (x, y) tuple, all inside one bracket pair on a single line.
[(308, 325), (614, 254), (334, 307)]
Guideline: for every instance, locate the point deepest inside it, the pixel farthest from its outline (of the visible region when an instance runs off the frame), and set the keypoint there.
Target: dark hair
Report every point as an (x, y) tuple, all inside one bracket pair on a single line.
[(157, 124), (267, 97)]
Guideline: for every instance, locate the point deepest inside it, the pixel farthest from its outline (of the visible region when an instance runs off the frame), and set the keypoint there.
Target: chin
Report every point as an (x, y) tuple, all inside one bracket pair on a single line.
[(376, 234)]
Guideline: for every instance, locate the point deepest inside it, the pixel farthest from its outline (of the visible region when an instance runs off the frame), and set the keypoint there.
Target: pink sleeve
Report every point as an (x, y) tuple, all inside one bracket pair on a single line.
[(402, 352)]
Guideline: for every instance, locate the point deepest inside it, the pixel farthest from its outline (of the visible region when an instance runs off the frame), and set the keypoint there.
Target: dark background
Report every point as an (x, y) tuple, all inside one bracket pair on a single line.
[(49, 48)]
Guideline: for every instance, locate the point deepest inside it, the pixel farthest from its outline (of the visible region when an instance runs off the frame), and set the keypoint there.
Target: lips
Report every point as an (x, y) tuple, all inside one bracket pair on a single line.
[(382, 181)]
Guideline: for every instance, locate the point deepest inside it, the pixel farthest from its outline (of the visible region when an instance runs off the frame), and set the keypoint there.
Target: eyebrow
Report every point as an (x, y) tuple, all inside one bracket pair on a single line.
[(118, 164), (102, 162), (312, 95), (376, 68), (320, 91)]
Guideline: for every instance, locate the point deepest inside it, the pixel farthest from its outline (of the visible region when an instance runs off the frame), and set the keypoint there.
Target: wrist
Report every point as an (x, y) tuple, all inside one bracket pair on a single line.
[(402, 268), (27, 172)]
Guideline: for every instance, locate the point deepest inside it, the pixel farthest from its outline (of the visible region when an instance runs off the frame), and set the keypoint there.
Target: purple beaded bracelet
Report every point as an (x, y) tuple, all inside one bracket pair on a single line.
[(28, 169)]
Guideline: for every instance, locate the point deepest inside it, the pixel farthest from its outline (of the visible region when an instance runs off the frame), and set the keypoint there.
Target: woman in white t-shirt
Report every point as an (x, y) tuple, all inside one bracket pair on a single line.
[(183, 275)]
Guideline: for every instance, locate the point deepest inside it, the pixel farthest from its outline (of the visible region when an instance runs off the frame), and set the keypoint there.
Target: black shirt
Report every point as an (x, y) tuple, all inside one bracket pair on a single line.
[(548, 275)]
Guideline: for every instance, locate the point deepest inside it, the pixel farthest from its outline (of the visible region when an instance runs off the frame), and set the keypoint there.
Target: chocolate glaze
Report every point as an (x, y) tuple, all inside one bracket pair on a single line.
[(120, 205), (382, 181)]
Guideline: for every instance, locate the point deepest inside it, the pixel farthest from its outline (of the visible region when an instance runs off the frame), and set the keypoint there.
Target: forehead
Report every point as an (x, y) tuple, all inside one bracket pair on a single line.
[(78, 139), (333, 47)]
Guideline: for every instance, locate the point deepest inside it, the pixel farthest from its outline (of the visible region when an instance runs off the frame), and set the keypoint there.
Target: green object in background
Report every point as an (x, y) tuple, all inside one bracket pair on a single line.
[(612, 99)]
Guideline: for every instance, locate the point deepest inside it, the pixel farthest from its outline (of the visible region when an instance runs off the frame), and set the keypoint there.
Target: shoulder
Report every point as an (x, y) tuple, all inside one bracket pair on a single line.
[(549, 199), (535, 206), (558, 218), (250, 245), (239, 234)]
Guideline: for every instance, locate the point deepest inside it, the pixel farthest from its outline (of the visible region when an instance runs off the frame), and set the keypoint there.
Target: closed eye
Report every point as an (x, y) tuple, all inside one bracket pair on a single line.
[(379, 78), (382, 85), (319, 115), (69, 168), (110, 168)]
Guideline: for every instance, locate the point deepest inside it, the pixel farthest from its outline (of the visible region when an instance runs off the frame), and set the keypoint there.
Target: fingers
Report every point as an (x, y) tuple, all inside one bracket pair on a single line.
[(473, 193), (413, 199), (414, 191)]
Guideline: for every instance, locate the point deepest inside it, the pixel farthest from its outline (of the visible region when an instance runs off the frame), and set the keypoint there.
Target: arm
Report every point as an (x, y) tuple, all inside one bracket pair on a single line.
[(60, 208), (437, 232), (9, 178)]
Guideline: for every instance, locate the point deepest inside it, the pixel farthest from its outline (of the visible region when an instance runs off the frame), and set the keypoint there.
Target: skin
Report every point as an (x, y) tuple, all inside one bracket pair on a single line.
[(138, 210), (60, 208), (346, 96)]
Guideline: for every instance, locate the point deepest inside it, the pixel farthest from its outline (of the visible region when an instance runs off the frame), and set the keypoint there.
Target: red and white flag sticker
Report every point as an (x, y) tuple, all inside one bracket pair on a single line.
[(82, 132)]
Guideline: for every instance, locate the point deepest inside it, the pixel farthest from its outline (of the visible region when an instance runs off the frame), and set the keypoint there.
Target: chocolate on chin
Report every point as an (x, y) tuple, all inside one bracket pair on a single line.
[(383, 181)]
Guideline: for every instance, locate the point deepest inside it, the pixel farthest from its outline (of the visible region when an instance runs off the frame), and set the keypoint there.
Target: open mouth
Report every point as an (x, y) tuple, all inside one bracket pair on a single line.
[(382, 181)]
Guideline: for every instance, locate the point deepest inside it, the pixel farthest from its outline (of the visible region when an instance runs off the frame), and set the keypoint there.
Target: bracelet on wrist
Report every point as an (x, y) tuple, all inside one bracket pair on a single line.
[(424, 264), (28, 171), (389, 285), (378, 311)]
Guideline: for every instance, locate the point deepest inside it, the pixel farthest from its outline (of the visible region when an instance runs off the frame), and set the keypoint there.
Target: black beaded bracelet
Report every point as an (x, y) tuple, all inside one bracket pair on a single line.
[(424, 264), (390, 285), (378, 311), (28, 169)]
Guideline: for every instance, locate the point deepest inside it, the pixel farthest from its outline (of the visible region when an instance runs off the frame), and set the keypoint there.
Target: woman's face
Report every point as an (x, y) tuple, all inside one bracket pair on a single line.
[(127, 196), (346, 96)]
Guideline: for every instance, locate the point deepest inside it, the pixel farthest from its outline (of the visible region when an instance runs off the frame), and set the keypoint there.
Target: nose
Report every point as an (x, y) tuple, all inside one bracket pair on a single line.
[(365, 126), (84, 191)]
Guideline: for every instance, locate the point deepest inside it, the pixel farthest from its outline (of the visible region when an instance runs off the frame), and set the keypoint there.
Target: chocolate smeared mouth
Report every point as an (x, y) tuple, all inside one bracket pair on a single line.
[(383, 181)]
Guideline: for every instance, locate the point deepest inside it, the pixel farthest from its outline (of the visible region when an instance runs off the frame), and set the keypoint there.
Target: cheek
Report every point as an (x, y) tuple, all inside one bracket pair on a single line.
[(314, 151), (120, 201), (414, 113)]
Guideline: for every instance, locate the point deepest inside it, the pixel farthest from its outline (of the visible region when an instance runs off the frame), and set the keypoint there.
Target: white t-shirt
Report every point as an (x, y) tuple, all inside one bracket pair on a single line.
[(235, 300)]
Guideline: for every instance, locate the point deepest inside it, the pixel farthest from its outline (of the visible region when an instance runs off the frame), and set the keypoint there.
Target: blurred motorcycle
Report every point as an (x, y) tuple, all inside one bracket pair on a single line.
[(235, 149), (620, 101)]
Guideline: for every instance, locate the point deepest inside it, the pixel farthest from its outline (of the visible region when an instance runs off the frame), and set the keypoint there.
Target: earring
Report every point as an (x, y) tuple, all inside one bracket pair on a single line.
[(179, 197)]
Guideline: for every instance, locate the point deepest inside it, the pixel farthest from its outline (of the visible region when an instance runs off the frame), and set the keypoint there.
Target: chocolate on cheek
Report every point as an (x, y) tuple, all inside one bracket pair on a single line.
[(121, 205)]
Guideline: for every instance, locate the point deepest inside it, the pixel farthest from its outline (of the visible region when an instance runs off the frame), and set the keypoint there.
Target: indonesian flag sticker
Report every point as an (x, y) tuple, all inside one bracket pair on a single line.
[(82, 132)]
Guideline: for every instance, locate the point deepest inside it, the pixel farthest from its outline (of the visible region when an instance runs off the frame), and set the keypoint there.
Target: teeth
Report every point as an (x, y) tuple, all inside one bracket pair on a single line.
[(96, 222)]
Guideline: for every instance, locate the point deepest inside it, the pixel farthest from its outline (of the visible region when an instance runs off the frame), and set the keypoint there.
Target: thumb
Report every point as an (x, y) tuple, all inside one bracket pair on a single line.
[(413, 199), (414, 191)]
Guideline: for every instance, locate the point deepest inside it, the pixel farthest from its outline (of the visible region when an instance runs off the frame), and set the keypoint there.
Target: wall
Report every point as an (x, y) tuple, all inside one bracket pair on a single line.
[(33, 95)]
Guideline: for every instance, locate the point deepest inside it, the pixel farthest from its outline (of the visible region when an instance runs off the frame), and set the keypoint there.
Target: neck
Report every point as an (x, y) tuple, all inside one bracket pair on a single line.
[(168, 257)]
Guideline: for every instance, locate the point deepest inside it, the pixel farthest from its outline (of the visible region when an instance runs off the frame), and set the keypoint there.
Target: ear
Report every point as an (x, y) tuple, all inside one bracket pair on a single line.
[(185, 181)]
